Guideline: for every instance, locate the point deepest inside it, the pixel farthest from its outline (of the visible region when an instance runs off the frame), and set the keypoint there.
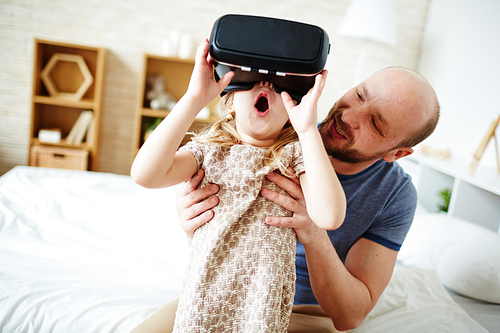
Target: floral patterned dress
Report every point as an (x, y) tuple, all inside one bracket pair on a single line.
[(241, 273)]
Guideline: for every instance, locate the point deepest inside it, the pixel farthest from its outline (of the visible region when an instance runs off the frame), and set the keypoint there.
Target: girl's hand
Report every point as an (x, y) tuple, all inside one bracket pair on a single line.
[(202, 86), (304, 115)]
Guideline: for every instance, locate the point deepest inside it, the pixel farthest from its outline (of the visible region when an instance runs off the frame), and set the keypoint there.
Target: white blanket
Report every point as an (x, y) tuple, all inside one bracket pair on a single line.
[(416, 301), (93, 252), (85, 252)]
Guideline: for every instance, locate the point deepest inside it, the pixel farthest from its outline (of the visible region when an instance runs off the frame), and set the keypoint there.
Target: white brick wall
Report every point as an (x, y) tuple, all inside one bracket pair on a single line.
[(128, 29)]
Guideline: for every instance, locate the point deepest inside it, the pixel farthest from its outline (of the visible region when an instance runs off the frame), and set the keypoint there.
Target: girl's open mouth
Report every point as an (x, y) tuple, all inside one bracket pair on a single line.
[(262, 104)]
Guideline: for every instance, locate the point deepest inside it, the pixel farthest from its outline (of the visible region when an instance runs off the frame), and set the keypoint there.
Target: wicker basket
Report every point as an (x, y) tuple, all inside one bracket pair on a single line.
[(60, 158)]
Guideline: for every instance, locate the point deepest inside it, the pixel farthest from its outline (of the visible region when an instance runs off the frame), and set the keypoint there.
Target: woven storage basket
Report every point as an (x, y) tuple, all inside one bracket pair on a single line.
[(60, 158)]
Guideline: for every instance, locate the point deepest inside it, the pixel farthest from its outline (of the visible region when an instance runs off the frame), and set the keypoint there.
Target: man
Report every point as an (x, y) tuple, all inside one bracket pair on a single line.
[(342, 273)]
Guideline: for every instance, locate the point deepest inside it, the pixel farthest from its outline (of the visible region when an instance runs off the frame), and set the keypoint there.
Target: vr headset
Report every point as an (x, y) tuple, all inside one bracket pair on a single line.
[(285, 53)]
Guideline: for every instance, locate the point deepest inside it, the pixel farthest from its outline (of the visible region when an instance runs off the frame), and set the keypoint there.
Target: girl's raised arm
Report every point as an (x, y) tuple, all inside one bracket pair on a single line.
[(158, 163), (325, 198)]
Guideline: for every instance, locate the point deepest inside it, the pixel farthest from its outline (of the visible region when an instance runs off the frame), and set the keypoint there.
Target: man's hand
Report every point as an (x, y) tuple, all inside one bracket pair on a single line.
[(194, 205), (305, 228)]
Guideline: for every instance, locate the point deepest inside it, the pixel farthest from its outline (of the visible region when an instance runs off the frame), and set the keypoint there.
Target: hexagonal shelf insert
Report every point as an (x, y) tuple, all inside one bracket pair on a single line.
[(67, 76)]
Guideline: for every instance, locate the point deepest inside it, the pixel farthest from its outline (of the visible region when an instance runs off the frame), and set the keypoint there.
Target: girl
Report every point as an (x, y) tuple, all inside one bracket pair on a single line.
[(241, 274)]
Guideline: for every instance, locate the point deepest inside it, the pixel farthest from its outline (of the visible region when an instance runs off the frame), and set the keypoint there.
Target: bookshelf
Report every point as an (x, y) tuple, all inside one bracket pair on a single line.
[(68, 81), (175, 73), (474, 196)]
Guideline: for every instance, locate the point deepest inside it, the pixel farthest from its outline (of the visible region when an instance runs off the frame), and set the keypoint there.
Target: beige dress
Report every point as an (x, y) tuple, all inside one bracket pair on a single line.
[(241, 274)]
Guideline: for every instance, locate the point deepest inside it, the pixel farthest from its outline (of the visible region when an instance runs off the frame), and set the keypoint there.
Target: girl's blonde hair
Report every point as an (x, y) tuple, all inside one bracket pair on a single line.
[(224, 133)]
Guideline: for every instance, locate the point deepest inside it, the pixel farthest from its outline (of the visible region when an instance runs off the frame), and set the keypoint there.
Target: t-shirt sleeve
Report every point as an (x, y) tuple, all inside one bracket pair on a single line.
[(198, 151), (391, 226), (297, 162)]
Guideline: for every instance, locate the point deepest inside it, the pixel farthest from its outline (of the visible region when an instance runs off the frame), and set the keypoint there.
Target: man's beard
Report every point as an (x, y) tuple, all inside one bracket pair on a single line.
[(346, 154), (350, 155)]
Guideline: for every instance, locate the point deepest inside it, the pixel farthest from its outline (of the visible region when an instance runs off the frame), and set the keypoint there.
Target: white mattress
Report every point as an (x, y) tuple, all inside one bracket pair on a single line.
[(94, 252)]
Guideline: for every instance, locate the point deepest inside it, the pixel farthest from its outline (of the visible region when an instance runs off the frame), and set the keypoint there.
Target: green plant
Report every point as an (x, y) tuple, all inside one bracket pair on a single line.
[(149, 125), (152, 125), (444, 196)]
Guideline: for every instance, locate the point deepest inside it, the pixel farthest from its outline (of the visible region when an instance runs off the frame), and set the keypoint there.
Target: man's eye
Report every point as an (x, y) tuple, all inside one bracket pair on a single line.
[(375, 126)]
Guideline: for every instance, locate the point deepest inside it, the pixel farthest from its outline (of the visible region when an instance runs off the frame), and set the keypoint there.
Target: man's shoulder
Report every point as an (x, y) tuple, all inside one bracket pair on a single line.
[(382, 182), (379, 171), (393, 176)]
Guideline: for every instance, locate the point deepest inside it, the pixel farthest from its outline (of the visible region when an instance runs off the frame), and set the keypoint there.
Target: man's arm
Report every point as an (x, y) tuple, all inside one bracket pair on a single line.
[(347, 293)]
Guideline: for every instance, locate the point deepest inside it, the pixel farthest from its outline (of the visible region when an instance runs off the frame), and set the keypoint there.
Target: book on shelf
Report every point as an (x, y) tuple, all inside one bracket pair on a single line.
[(90, 134), (80, 128)]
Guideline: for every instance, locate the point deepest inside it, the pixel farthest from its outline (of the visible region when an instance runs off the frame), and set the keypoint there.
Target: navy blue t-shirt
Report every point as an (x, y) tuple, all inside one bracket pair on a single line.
[(381, 203)]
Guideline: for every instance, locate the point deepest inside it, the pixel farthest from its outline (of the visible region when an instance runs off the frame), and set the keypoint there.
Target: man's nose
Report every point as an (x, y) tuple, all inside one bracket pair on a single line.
[(351, 117)]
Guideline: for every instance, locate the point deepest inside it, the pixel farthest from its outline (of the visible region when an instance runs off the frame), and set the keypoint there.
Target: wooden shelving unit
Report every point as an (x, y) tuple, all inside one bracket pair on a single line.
[(176, 74), (61, 93)]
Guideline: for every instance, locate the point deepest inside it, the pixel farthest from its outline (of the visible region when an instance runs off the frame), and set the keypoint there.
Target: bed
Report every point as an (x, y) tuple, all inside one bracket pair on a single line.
[(93, 252)]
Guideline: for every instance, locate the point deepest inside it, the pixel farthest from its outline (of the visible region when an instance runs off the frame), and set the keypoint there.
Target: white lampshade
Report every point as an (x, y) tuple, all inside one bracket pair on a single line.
[(372, 20)]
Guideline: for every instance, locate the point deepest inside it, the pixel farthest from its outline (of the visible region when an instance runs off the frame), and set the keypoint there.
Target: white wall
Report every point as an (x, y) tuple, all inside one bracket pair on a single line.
[(461, 59), (129, 29)]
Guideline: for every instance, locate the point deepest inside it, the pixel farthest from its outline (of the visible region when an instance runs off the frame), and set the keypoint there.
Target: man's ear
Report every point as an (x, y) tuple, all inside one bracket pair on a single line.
[(396, 154)]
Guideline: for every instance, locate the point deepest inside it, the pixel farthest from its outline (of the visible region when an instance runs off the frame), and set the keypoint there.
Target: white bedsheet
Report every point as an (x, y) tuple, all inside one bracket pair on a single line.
[(416, 301), (93, 252), (487, 314), (88, 251)]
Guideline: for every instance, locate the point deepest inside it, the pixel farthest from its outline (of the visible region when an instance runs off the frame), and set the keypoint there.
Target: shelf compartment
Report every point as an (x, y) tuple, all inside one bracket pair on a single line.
[(46, 50), (54, 116), (66, 76), (430, 182), (476, 204), (176, 74), (147, 121), (475, 198)]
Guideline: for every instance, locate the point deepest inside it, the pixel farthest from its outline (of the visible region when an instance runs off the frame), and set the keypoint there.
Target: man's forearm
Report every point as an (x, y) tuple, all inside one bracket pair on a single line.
[(342, 296)]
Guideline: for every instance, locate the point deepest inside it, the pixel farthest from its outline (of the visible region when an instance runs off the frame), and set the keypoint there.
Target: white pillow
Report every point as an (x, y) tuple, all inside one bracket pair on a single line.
[(465, 256)]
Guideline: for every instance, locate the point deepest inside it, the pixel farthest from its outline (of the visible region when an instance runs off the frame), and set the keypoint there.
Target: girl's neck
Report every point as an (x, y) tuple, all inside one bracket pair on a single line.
[(256, 142)]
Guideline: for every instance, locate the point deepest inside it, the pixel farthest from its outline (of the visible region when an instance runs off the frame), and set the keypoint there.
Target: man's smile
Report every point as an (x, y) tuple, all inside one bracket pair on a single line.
[(336, 131)]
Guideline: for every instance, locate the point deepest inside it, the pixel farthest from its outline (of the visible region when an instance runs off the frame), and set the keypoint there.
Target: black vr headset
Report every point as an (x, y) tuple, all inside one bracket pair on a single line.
[(285, 53)]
